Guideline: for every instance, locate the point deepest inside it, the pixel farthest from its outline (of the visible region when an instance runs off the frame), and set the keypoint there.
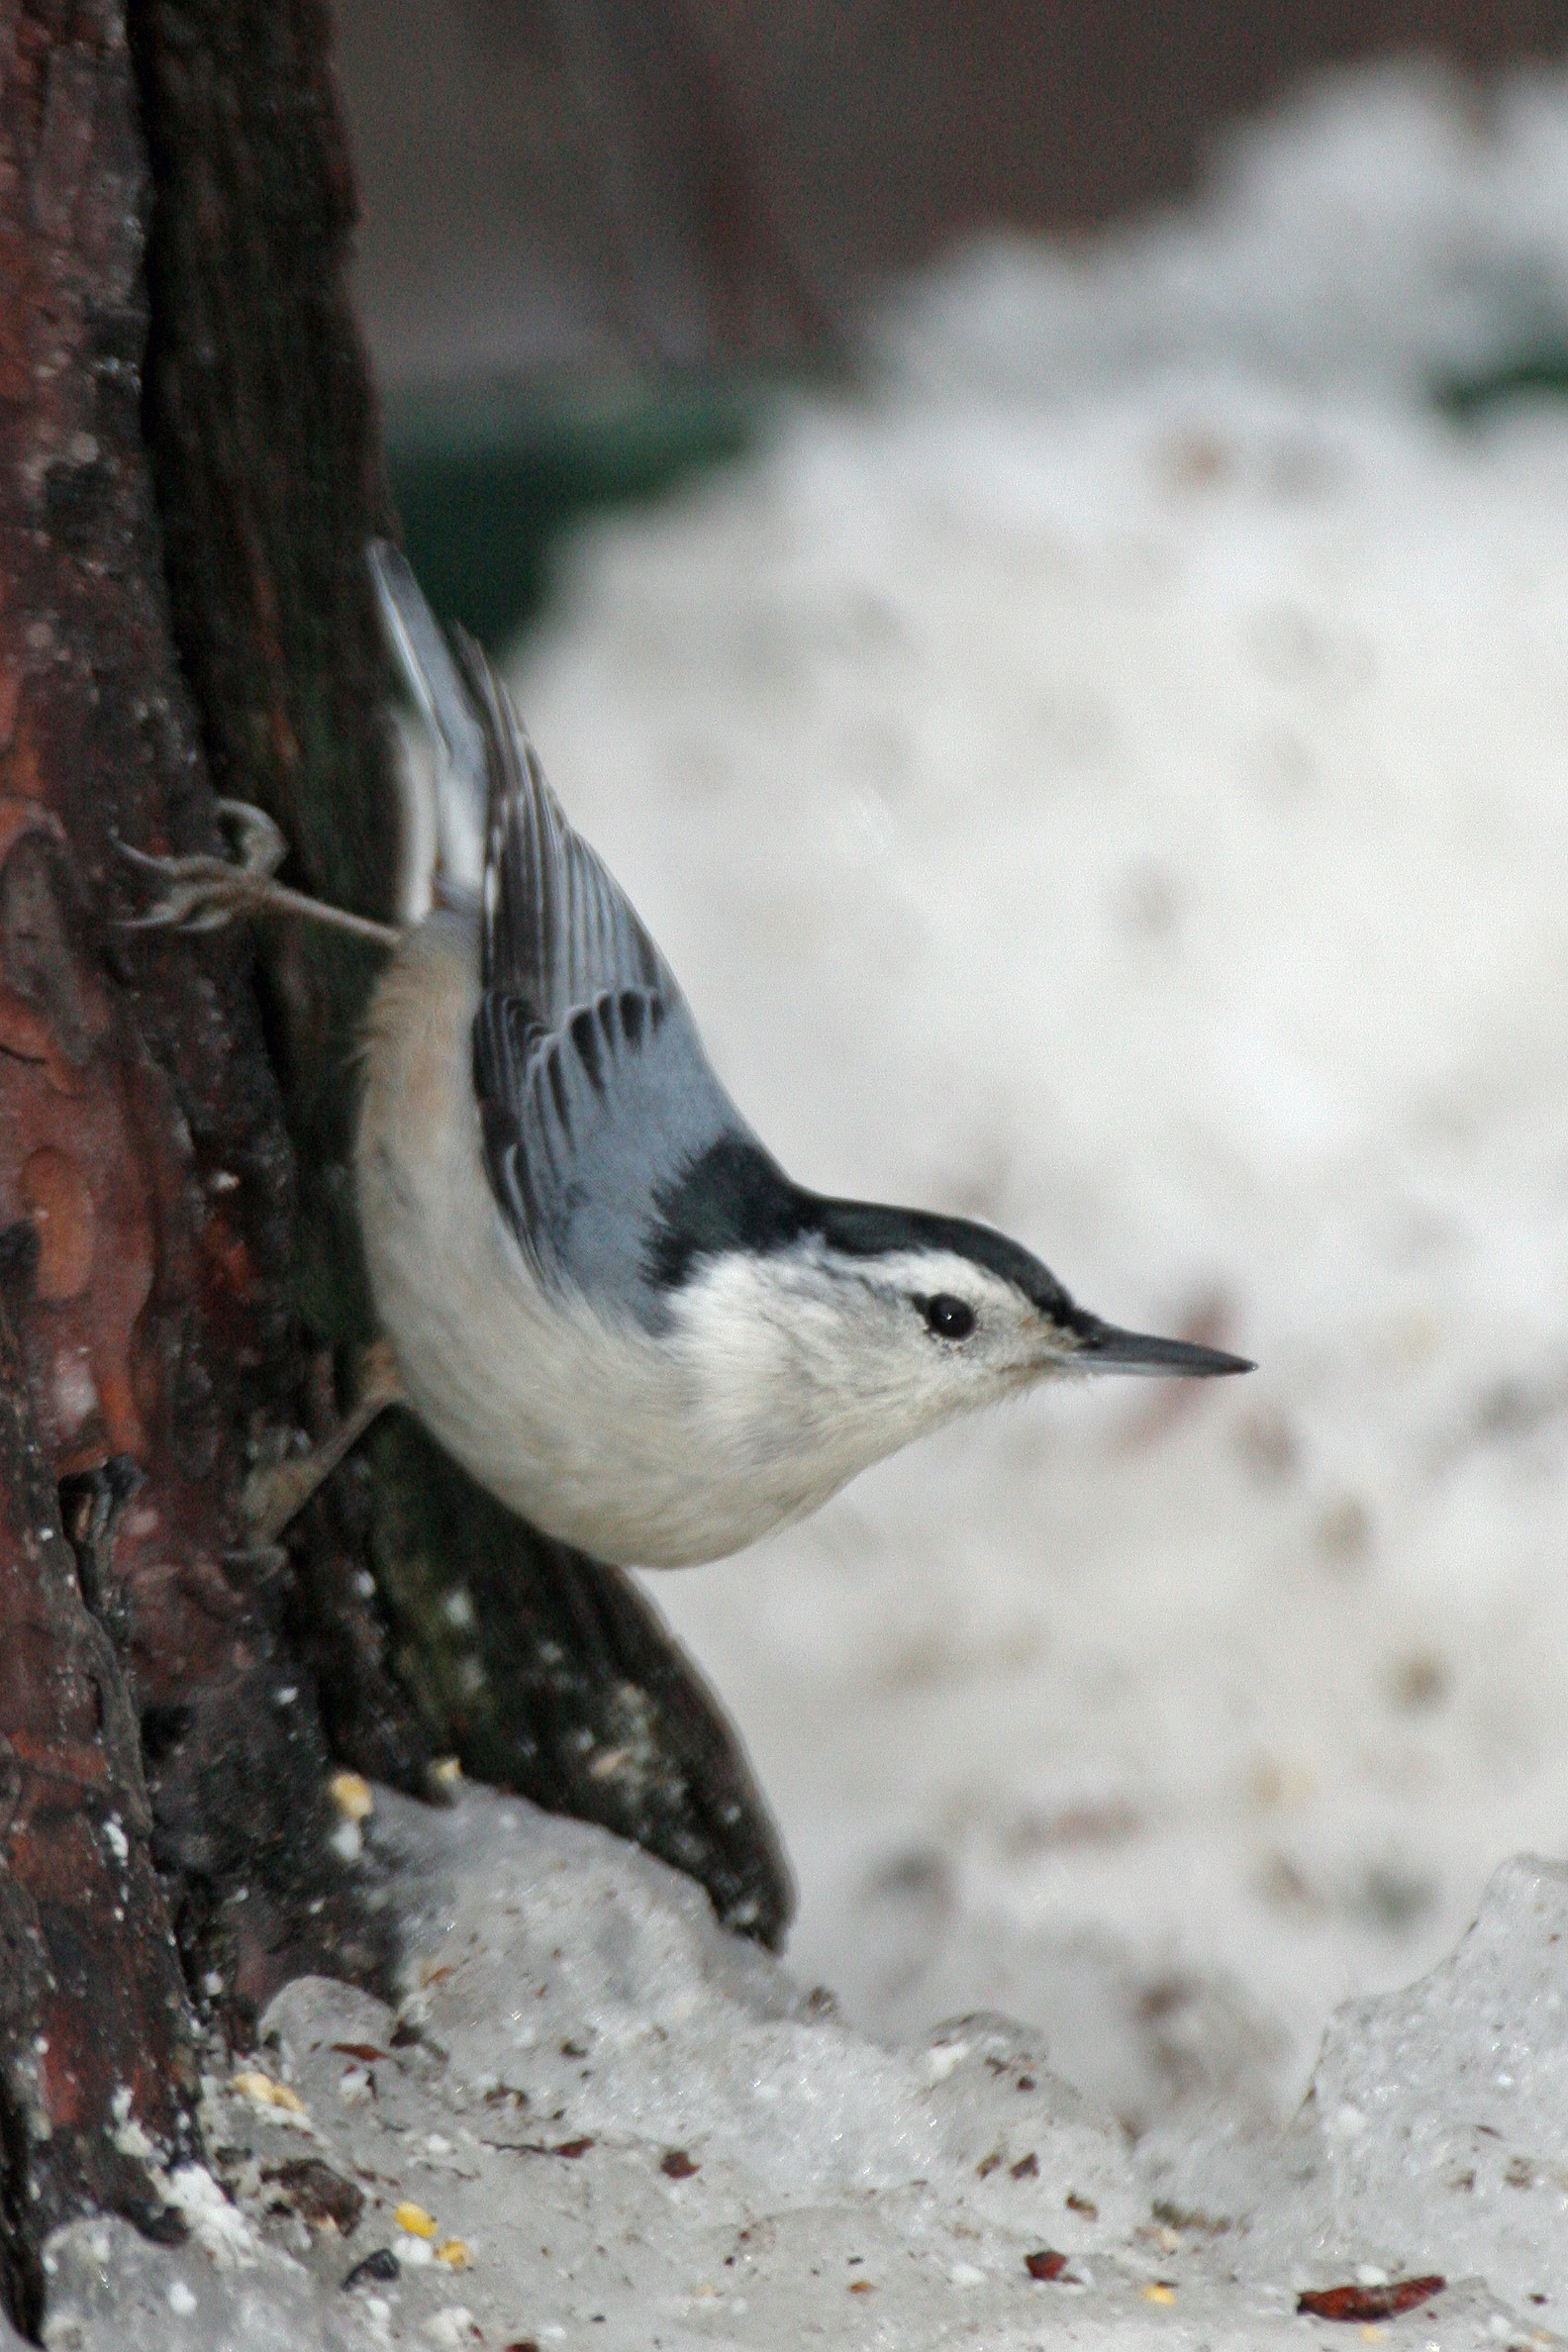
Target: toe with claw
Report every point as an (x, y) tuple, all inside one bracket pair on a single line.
[(274, 1498), (201, 893)]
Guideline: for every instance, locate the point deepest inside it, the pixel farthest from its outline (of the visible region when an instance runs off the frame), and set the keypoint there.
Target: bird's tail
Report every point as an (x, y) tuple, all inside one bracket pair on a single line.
[(461, 782)]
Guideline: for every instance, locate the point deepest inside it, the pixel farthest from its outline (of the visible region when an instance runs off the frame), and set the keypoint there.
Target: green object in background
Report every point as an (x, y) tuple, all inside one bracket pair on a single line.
[(1539, 374), (486, 476)]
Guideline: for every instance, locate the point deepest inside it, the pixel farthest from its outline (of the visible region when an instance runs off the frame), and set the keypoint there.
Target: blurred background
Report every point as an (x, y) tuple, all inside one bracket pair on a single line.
[(566, 200), (1034, 539)]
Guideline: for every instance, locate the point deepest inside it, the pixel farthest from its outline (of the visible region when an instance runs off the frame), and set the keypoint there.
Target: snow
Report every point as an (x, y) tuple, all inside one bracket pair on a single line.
[(1111, 782), (1433, 2138), (1393, 228), (599, 2118)]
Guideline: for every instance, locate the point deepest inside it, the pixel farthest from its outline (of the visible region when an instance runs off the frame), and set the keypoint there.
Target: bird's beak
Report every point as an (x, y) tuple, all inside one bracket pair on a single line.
[(1101, 1347)]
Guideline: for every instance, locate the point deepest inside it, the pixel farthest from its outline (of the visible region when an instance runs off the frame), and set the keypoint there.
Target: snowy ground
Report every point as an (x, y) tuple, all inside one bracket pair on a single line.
[(596, 2119), (1112, 783)]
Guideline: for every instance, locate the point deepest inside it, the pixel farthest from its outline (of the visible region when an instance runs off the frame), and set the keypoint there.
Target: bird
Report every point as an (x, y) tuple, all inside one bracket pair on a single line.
[(597, 1287)]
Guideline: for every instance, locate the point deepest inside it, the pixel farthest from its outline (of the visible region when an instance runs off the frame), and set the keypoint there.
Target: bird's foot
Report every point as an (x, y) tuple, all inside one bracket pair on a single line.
[(274, 1498), (203, 893)]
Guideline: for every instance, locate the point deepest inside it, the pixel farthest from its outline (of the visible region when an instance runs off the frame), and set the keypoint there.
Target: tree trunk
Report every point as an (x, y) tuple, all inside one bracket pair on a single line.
[(189, 467)]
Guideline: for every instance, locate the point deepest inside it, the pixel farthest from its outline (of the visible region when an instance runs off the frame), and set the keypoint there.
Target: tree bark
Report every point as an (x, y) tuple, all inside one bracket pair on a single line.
[(146, 1209), (183, 602)]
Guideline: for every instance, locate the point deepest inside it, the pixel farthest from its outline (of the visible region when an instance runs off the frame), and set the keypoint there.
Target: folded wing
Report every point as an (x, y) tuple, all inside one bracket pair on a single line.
[(595, 1095)]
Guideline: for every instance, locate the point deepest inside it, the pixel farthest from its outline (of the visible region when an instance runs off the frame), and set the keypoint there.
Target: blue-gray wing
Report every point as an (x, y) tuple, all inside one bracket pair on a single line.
[(559, 929), (588, 1127), (595, 1095)]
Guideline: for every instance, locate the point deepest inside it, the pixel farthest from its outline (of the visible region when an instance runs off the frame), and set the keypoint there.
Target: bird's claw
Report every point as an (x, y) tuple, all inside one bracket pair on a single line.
[(272, 1498), (203, 893)]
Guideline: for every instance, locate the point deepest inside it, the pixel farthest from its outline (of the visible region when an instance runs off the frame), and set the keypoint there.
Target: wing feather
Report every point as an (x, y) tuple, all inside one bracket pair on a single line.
[(592, 1090), (559, 929), (595, 1094)]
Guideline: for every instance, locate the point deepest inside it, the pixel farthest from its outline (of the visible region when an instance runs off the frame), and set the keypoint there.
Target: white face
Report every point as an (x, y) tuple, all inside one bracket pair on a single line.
[(933, 1326), (826, 1363)]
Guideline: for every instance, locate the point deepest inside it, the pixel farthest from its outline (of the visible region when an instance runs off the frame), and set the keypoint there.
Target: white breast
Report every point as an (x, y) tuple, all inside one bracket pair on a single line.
[(649, 1450)]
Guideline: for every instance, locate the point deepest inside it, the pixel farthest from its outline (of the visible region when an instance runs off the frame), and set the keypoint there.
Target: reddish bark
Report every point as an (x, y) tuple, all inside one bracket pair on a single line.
[(159, 1266), (94, 2029), (91, 2000), (145, 1199)]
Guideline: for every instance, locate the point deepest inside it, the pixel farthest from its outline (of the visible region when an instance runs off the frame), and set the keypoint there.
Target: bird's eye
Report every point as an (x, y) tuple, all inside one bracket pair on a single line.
[(947, 1317)]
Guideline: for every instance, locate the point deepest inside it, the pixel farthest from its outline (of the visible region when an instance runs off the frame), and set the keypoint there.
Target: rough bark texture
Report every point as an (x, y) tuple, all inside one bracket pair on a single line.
[(171, 1285), (94, 2024), (146, 1183), (101, 1207)]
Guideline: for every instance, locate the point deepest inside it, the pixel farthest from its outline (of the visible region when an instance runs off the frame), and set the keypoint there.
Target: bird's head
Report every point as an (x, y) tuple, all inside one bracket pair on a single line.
[(947, 1314), (838, 1331)]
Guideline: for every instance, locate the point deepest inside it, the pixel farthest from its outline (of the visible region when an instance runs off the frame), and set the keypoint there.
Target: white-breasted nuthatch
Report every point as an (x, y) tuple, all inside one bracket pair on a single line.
[(603, 1294)]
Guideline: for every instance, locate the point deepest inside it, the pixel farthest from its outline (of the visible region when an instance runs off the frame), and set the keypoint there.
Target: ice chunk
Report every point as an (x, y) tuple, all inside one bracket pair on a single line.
[(583, 2020), (110, 2291)]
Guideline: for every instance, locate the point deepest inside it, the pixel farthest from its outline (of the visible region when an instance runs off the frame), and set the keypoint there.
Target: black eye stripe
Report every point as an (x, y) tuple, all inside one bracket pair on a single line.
[(947, 1317)]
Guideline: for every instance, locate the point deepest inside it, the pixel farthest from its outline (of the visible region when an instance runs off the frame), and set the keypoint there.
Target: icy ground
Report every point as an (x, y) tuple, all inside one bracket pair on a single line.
[(598, 2121), (1112, 783)]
